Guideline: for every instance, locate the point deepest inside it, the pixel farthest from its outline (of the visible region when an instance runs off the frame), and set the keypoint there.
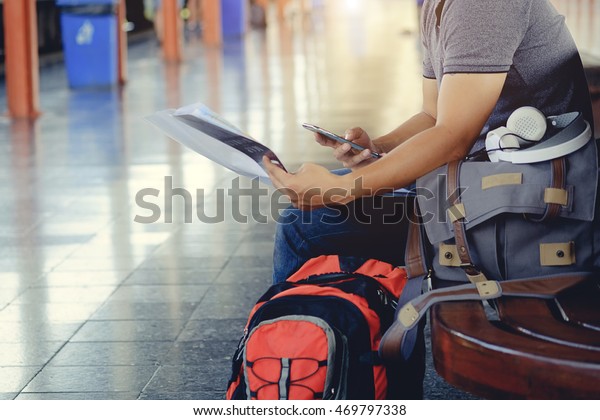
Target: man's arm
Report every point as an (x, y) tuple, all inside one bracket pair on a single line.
[(464, 103)]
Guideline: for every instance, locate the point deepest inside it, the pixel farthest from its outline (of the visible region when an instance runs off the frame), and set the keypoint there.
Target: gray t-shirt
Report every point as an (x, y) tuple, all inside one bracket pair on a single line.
[(526, 38)]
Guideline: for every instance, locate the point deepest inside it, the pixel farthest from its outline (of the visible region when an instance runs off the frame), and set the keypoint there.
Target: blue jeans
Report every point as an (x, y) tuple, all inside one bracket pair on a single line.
[(371, 227)]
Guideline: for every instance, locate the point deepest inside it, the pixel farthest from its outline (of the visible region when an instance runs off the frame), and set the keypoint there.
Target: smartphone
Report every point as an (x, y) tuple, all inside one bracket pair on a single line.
[(337, 138)]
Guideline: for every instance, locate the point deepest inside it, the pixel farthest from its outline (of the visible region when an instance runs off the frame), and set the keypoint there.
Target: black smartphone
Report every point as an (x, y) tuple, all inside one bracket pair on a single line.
[(337, 138)]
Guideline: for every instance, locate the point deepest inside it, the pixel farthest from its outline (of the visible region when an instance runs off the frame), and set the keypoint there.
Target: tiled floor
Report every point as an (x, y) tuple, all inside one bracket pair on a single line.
[(94, 305)]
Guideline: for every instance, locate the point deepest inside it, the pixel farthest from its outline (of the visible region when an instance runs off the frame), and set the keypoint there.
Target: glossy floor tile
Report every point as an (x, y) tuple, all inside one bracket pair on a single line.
[(97, 305)]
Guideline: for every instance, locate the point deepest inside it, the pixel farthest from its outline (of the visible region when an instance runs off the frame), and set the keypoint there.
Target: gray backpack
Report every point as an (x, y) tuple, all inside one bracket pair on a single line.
[(503, 221), (501, 229)]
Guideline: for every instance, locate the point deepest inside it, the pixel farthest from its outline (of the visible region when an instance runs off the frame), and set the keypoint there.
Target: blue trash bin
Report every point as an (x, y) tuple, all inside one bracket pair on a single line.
[(233, 18), (89, 34)]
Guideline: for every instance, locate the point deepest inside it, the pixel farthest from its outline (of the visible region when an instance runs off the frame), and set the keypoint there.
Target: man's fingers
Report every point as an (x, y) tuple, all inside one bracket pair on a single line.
[(340, 152), (324, 141), (280, 178), (349, 159), (353, 133), (362, 156), (275, 172)]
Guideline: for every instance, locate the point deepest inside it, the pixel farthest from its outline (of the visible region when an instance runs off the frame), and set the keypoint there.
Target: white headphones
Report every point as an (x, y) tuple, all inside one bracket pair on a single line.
[(519, 141)]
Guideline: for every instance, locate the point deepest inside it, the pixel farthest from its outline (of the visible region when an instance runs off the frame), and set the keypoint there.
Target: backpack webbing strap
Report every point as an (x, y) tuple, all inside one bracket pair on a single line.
[(416, 271), (558, 180), (460, 235), (416, 266), (408, 317)]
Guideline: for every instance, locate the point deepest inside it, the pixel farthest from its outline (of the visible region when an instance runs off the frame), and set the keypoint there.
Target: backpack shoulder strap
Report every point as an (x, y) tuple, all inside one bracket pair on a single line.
[(417, 271)]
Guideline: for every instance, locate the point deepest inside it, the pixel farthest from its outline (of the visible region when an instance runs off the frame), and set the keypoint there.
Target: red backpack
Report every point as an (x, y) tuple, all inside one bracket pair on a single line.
[(316, 336)]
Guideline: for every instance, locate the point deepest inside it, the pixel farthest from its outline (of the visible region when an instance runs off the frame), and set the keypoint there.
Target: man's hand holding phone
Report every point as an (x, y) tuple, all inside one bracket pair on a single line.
[(355, 149)]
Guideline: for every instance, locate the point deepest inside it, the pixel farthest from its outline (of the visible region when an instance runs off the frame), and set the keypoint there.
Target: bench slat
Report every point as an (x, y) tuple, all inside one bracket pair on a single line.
[(534, 317), (582, 305), (475, 354)]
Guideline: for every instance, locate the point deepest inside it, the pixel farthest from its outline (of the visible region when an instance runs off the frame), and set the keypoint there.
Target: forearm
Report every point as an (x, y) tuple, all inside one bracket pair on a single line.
[(418, 123), (449, 138), (445, 132), (410, 160)]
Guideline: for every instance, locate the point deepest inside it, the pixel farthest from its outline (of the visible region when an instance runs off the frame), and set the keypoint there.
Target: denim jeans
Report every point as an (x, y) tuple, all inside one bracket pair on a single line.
[(371, 227)]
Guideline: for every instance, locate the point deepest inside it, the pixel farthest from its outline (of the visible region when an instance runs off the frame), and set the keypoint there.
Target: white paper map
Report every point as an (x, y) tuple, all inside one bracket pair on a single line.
[(197, 127)]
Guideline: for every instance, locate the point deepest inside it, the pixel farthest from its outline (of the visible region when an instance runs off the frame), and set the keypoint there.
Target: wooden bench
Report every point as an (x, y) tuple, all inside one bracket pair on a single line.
[(536, 349)]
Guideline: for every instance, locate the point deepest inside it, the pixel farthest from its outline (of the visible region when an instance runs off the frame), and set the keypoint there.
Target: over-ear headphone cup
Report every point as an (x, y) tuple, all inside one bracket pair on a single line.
[(573, 133), (527, 122), (500, 141)]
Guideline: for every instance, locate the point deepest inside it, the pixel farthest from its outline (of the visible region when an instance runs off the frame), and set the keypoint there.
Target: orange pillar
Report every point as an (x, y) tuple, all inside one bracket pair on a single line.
[(22, 64), (172, 38), (303, 6), (211, 22), (121, 43), (281, 5)]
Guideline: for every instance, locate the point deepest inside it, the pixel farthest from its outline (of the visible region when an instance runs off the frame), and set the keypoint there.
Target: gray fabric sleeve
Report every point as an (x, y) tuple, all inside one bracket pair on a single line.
[(481, 36), (428, 70)]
